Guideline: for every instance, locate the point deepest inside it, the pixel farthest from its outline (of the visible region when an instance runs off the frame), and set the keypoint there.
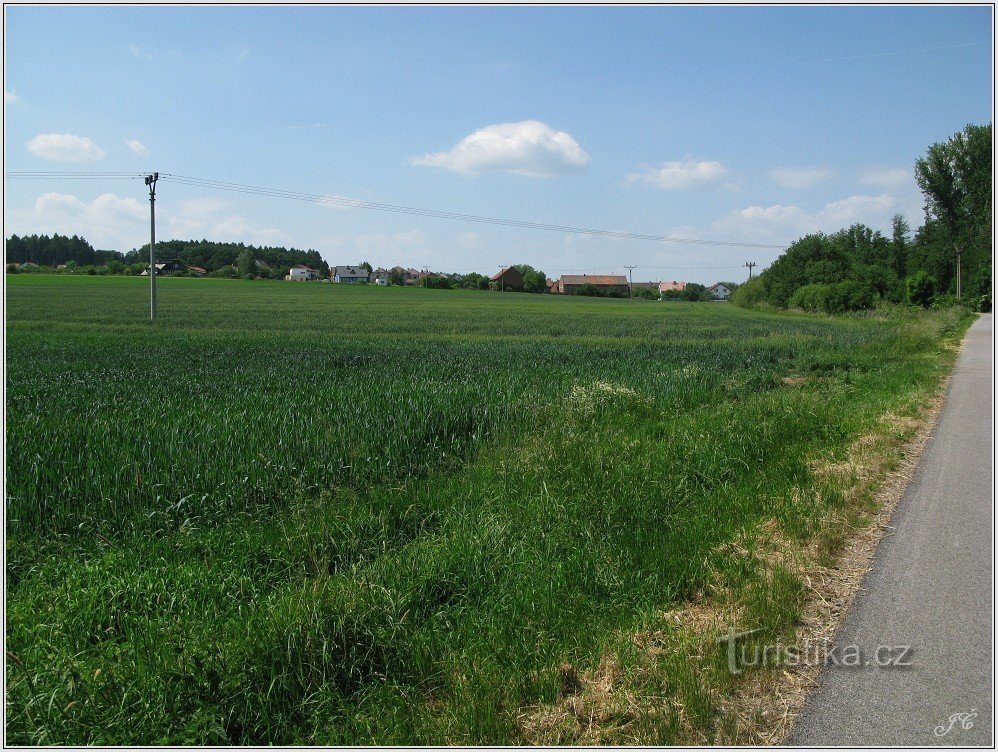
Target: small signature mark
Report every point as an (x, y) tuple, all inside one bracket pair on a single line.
[(966, 721)]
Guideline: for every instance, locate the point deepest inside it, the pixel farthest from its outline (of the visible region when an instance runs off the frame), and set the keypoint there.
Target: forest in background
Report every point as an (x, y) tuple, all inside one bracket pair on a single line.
[(858, 267), (209, 255)]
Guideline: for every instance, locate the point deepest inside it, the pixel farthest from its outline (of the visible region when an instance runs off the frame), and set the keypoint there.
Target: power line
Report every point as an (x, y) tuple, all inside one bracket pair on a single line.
[(438, 214), (343, 202), (73, 175)]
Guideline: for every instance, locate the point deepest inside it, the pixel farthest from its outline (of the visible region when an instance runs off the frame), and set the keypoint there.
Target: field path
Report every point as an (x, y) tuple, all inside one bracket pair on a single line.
[(930, 587)]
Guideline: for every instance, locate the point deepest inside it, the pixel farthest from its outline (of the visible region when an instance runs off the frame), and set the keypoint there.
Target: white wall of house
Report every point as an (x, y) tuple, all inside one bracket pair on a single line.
[(720, 292)]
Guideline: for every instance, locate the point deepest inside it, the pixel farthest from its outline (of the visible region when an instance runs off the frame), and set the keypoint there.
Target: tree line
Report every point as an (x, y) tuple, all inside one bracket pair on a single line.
[(223, 259), (855, 268)]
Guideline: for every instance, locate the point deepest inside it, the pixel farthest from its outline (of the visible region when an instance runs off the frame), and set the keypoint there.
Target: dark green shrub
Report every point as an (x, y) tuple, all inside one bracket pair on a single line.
[(840, 297), (750, 293), (941, 302), (919, 289), (436, 282), (811, 298), (644, 293), (850, 295)]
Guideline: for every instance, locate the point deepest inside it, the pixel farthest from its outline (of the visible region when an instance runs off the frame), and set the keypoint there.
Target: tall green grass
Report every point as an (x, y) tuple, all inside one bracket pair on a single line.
[(322, 514)]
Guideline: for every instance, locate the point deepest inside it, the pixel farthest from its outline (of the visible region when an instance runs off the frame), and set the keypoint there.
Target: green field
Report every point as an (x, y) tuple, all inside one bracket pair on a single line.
[(310, 513)]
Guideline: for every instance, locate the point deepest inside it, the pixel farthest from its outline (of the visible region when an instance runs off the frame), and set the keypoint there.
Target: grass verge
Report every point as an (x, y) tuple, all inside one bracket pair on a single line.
[(418, 517)]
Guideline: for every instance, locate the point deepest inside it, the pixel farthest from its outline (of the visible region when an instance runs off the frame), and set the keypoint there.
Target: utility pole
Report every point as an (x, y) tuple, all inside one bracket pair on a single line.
[(630, 280), (751, 265), (151, 182), (959, 268)]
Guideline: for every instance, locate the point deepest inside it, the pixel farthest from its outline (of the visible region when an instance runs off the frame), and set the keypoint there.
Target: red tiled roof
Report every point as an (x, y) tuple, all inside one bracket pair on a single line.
[(495, 277), (593, 279), (665, 286)]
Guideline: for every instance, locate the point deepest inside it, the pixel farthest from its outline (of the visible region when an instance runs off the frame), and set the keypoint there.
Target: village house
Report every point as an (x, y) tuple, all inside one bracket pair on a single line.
[(508, 280), (301, 273), (671, 286), (719, 291), (612, 284), (198, 270), (166, 268), (351, 275)]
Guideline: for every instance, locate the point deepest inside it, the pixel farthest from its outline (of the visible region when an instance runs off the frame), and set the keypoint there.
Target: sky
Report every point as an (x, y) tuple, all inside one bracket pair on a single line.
[(748, 125)]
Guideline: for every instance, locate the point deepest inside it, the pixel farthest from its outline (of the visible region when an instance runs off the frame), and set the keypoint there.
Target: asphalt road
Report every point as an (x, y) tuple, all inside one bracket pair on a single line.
[(930, 588)]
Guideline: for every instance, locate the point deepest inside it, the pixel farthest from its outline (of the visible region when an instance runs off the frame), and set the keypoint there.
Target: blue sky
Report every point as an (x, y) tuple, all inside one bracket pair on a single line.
[(751, 125)]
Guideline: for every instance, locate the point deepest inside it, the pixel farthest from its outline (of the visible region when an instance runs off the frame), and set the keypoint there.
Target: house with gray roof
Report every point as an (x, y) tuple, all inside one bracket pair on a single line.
[(350, 274)]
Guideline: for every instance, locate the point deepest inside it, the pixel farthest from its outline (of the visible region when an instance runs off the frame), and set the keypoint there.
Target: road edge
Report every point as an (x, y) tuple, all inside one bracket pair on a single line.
[(769, 703)]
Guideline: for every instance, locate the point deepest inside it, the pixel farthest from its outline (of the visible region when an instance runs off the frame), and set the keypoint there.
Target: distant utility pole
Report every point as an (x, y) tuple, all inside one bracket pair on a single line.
[(959, 269), (151, 182), (630, 280), (751, 265)]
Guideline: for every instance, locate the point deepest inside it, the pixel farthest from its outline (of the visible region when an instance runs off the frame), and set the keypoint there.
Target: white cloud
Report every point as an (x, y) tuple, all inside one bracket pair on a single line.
[(870, 210), (469, 239), (208, 218), (195, 217), (785, 223), (777, 214), (10, 97), (138, 52), (108, 221), (800, 177), (64, 147), (886, 177), (137, 147), (686, 174), (527, 148), (242, 54)]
